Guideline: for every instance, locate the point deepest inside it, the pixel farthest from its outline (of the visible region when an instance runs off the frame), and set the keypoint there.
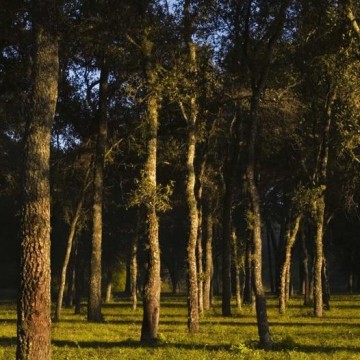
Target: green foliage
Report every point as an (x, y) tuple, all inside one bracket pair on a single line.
[(144, 194)]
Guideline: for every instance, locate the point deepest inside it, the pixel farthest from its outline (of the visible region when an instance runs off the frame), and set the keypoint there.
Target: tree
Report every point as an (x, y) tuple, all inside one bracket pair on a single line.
[(33, 330)]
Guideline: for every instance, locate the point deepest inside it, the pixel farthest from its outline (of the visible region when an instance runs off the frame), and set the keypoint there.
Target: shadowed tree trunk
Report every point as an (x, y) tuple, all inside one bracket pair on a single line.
[(290, 236), (134, 264), (230, 170), (237, 268), (33, 318), (248, 274), (94, 302), (305, 266), (69, 246), (208, 217)]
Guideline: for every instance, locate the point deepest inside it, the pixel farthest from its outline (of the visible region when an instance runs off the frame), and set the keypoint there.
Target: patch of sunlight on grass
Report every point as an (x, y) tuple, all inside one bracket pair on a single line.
[(296, 335)]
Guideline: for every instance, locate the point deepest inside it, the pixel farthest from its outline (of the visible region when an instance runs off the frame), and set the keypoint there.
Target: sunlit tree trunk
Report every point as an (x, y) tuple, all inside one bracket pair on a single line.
[(319, 205), (33, 318), (94, 302), (290, 236), (152, 286)]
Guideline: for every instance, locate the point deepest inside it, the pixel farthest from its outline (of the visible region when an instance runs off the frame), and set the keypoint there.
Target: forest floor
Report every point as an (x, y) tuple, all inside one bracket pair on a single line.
[(296, 335)]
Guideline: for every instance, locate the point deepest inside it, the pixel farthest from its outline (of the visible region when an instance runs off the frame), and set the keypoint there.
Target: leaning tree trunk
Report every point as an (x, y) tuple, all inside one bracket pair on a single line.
[(69, 247), (285, 270), (33, 318), (152, 286), (94, 303)]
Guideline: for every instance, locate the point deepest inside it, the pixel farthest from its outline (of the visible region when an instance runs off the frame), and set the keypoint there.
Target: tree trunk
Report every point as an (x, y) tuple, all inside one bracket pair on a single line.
[(291, 234), (319, 205), (200, 266), (33, 318), (271, 276), (305, 269), (69, 246), (237, 267), (152, 286), (209, 267), (69, 298), (134, 266), (261, 309), (79, 276), (326, 284), (248, 274), (318, 261)]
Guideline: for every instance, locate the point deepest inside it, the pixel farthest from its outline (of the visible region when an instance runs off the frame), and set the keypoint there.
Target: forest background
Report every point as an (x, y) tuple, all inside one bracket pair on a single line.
[(203, 147)]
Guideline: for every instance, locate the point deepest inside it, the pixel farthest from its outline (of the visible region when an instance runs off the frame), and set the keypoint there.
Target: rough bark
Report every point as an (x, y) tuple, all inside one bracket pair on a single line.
[(260, 300), (69, 247), (319, 205), (94, 302), (291, 234), (33, 319), (151, 297), (193, 216), (152, 286)]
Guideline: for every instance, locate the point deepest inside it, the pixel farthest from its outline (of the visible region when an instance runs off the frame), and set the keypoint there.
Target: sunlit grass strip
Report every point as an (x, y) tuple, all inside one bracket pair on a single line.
[(296, 335)]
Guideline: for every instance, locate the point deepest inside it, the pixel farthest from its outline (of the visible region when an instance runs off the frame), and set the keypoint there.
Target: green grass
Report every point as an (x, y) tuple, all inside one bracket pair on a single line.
[(296, 335)]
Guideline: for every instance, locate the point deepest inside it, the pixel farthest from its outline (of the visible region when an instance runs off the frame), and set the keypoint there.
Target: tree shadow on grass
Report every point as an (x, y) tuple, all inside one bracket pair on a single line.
[(282, 345)]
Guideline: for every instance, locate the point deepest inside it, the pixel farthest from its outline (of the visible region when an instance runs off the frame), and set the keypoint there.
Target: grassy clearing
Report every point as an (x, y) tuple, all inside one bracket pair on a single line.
[(296, 335)]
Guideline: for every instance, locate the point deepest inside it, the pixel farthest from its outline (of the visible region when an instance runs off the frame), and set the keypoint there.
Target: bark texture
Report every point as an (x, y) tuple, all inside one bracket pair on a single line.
[(94, 302), (291, 234), (152, 287), (33, 321)]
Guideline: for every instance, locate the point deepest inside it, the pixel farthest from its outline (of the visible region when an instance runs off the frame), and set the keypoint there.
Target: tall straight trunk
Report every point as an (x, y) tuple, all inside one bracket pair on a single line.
[(305, 268), (209, 267), (319, 205), (33, 315), (271, 276), (260, 300), (291, 234), (237, 268), (326, 284), (193, 216), (134, 266), (318, 260), (69, 246), (248, 274), (193, 303), (79, 276), (229, 175), (226, 240), (200, 265), (108, 292), (94, 303), (152, 285)]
